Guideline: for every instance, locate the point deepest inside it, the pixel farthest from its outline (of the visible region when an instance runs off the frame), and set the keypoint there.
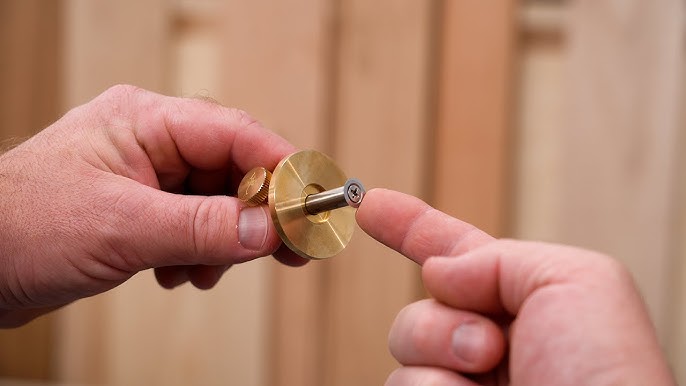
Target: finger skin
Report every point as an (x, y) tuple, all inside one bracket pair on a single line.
[(174, 134), (426, 376), (169, 229), (574, 309), (413, 228), (423, 331)]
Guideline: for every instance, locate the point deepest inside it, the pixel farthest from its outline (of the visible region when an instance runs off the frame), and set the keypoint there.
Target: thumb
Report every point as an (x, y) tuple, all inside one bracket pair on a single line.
[(163, 229)]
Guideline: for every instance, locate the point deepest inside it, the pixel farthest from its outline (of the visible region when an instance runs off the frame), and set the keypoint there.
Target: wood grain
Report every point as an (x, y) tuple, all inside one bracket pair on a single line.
[(475, 107), (381, 122), (29, 68), (622, 123), (277, 65), (106, 43), (30, 65)]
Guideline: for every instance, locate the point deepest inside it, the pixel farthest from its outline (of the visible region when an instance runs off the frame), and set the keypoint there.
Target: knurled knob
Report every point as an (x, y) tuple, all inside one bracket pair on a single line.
[(254, 188)]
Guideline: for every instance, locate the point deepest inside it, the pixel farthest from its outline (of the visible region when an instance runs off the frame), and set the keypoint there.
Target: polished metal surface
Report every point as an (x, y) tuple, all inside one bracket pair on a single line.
[(354, 192), (315, 236), (254, 188), (350, 194), (325, 201)]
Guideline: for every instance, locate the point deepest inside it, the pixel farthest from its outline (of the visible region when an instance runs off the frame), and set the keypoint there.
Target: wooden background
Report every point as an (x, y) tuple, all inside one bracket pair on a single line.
[(551, 120)]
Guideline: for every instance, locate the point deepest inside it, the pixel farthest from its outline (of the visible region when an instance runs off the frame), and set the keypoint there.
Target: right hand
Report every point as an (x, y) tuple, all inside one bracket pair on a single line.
[(510, 312)]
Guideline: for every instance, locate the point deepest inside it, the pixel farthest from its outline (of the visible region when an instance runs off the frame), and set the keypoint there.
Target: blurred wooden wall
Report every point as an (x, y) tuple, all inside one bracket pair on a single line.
[(511, 115), (29, 74)]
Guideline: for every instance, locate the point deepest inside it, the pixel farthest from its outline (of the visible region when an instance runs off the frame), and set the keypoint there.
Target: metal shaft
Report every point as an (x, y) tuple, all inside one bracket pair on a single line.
[(348, 195)]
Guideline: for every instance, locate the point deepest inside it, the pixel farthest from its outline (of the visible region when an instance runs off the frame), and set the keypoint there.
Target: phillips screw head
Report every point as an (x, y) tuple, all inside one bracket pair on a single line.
[(354, 192)]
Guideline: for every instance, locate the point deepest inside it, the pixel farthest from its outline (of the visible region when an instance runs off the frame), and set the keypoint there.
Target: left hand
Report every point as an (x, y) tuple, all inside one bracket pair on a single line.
[(129, 181)]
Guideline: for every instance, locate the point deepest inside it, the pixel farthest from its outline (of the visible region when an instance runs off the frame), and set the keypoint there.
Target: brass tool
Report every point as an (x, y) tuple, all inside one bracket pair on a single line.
[(311, 202), (254, 188)]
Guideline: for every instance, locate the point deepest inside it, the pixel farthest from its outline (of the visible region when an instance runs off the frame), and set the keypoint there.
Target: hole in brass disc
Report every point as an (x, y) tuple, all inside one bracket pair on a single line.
[(311, 236), (315, 218)]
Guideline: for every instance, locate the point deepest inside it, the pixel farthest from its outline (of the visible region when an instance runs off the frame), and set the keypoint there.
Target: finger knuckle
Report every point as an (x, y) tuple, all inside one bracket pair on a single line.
[(244, 119), (120, 91), (423, 327), (609, 267), (207, 220)]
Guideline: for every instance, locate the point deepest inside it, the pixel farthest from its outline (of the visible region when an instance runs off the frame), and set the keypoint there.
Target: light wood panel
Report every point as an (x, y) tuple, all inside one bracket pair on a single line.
[(620, 135), (29, 66), (381, 123), (29, 44), (106, 43), (599, 124), (276, 64), (475, 107), (538, 156)]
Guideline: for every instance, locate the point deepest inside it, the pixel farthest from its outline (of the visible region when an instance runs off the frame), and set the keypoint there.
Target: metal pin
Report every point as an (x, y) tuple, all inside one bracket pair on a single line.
[(255, 185), (350, 194)]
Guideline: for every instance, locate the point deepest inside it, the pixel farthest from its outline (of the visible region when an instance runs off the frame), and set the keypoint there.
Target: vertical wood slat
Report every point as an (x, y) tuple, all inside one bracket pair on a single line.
[(538, 173), (621, 131), (207, 337), (29, 66), (475, 111), (381, 123), (104, 43), (276, 62)]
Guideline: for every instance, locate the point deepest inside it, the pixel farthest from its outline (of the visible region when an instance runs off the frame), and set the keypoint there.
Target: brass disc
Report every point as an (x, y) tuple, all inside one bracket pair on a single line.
[(311, 236)]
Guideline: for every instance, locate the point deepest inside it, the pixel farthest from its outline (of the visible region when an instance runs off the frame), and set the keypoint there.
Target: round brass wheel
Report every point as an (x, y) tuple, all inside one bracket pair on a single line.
[(311, 236)]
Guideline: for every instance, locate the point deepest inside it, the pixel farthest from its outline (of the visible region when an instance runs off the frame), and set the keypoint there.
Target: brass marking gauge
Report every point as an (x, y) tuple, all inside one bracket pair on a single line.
[(310, 200)]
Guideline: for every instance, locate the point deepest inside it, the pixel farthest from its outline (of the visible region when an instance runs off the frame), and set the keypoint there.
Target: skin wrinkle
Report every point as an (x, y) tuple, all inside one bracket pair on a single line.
[(463, 238), (197, 223), (542, 277), (499, 279), (90, 267), (95, 279), (128, 156), (172, 126), (411, 230), (115, 218), (16, 288), (162, 176)]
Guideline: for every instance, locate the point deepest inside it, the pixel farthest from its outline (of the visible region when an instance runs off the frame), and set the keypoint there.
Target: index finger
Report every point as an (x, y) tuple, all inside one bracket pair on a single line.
[(177, 133), (415, 229)]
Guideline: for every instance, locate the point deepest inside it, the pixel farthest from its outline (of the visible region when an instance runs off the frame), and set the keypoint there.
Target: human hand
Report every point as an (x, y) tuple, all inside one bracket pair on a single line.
[(510, 312), (123, 184)]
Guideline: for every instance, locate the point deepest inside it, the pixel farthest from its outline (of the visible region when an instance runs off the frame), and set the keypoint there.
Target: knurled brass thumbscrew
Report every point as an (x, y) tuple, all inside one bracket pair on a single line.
[(254, 190)]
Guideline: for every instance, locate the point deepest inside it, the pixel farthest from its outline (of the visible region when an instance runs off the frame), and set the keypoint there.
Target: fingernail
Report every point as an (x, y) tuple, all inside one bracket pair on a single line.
[(468, 340), (253, 227)]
